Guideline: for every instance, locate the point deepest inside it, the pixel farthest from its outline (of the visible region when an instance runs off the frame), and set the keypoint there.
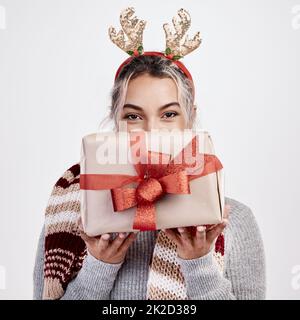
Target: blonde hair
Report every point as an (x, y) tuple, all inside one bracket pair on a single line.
[(155, 66)]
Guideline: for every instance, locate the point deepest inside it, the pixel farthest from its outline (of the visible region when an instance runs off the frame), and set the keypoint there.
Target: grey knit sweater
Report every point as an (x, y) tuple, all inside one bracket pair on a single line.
[(244, 275)]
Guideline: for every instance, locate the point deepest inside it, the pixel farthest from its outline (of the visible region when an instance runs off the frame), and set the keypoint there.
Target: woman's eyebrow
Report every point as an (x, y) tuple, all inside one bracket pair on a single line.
[(130, 105)]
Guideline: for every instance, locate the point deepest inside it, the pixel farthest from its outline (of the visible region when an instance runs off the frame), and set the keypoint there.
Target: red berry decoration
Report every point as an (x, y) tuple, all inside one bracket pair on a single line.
[(170, 56)]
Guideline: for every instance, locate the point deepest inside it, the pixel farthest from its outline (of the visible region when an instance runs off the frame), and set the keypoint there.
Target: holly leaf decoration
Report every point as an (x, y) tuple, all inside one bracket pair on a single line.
[(140, 49), (168, 51), (177, 57)]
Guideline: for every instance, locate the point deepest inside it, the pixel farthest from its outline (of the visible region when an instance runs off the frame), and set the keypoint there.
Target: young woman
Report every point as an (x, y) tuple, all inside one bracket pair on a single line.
[(150, 92)]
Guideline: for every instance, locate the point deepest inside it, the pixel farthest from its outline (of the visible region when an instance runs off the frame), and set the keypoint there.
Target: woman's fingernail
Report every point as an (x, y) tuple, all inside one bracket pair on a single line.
[(225, 221), (201, 228), (105, 236), (121, 235), (181, 229)]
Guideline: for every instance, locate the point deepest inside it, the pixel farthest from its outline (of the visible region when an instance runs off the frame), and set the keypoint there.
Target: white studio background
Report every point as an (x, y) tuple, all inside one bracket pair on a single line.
[(57, 66)]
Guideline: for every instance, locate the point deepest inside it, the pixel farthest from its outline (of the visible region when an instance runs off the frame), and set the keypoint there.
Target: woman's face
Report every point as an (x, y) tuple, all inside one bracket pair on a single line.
[(152, 103)]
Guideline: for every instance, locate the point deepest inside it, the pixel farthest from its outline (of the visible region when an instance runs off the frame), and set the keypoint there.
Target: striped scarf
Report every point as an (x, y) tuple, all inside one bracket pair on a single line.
[(65, 250)]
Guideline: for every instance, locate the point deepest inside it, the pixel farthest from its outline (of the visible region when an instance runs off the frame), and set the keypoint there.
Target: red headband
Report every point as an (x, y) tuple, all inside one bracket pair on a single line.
[(157, 53)]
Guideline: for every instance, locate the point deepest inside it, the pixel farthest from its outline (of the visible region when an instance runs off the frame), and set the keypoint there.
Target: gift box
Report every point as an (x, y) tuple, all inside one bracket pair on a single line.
[(154, 180)]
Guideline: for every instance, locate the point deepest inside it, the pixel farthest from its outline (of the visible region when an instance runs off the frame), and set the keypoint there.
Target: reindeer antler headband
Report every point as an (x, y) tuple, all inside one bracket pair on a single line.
[(176, 46)]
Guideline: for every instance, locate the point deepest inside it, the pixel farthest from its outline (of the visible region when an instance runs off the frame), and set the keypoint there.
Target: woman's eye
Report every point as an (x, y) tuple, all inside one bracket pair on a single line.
[(132, 116), (170, 114)]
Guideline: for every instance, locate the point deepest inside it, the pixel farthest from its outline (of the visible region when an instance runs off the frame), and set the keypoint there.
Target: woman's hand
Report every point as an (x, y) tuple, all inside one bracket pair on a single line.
[(195, 242), (105, 249)]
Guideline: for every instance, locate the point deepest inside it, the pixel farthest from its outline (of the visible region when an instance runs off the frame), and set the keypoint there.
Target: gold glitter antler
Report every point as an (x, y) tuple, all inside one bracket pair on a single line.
[(133, 28), (175, 49)]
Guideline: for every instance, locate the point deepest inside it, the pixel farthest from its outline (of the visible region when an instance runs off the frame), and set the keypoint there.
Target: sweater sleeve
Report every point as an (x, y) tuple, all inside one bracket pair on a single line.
[(94, 281), (244, 274), (38, 271)]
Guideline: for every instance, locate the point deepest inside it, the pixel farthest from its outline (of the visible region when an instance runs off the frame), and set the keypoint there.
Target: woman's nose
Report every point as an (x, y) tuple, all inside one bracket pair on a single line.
[(152, 124)]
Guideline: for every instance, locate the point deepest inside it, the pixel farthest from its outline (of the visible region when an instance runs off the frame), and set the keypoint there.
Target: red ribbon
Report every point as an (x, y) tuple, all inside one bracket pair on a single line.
[(153, 182)]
